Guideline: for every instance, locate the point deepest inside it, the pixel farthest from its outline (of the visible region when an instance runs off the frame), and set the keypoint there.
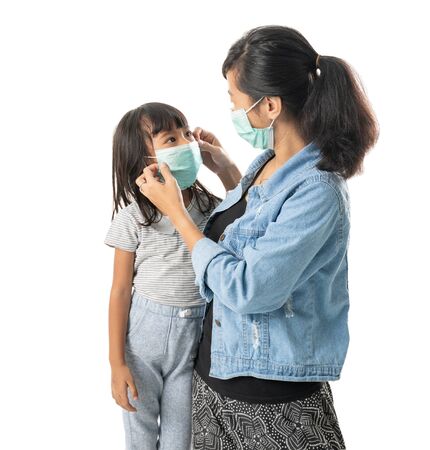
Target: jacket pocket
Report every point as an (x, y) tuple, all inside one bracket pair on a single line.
[(242, 238)]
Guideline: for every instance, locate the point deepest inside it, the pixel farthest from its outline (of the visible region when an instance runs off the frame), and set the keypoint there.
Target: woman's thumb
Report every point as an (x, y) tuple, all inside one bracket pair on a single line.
[(165, 171), (205, 146)]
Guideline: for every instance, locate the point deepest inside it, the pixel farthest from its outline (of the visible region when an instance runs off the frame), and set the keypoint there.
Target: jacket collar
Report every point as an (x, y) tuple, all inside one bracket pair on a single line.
[(308, 156)]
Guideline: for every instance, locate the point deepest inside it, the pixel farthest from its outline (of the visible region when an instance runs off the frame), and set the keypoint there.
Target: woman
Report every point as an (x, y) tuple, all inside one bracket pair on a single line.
[(272, 259)]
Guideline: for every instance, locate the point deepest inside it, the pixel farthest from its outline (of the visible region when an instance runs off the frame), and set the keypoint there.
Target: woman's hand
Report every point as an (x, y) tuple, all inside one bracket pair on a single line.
[(213, 155), (167, 197), (121, 380)]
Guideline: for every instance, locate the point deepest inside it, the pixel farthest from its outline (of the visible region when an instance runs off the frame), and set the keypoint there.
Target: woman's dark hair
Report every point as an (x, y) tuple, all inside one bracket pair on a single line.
[(330, 109), (130, 146)]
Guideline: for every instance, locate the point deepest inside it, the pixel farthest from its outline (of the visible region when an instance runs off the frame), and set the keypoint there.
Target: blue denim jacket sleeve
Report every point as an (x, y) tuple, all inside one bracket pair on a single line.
[(266, 275)]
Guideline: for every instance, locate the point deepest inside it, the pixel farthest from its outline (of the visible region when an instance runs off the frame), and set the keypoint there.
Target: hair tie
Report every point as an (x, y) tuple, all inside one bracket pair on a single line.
[(318, 70)]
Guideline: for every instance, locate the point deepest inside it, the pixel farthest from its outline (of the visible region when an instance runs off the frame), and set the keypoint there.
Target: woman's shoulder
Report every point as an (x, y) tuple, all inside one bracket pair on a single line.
[(324, 181)]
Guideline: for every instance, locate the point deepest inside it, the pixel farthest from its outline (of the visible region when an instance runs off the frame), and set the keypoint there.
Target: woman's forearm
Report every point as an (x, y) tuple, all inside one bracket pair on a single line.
[(187, 229), (230, 177), (183, 222)]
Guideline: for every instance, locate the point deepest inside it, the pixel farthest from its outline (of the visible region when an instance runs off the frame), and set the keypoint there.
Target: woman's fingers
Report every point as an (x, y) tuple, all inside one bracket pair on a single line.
[(140, 179), (196, 133), (205, 146), (150, 172), (202, 135), (153, 174), (165, 171)]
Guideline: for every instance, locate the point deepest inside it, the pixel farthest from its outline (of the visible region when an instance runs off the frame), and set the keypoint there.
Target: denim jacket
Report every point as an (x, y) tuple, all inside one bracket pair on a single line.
[(278, 275)]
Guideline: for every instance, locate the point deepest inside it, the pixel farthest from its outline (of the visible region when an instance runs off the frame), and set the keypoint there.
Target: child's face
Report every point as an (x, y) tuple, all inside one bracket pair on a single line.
[(172, 138)]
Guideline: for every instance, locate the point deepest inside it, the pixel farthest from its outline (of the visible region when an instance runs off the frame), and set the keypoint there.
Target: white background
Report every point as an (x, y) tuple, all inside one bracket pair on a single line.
[(70, 70)]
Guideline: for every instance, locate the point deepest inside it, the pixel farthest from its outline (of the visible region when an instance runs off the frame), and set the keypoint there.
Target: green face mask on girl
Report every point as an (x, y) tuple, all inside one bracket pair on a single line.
[(184, 162)]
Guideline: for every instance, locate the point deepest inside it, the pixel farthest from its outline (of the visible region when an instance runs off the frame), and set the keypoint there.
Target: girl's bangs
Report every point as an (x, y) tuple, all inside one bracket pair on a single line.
[(164, 117)]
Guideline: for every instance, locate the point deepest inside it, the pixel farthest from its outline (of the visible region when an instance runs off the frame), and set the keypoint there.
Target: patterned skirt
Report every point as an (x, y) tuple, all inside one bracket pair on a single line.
[(222, 423)]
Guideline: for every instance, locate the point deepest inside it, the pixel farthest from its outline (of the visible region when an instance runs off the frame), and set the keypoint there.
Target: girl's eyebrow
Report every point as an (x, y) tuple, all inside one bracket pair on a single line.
[(162, 133)]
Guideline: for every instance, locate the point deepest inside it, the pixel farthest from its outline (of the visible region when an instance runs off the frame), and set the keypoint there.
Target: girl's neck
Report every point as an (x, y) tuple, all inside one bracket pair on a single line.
[(187, 195)]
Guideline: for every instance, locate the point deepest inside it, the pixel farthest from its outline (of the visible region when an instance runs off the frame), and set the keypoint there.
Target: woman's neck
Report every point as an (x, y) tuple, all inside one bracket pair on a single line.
[(288, 142)]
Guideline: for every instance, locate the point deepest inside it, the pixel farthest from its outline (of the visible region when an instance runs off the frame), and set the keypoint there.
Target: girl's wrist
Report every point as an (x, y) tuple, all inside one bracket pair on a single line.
[(117, 362)]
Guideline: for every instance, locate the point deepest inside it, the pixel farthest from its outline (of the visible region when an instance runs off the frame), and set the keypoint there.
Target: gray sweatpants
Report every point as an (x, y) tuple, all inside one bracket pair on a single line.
[(161, 347)]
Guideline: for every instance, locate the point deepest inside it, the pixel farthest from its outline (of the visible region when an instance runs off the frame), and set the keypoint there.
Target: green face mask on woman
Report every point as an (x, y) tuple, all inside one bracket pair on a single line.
[(259, 138), (184, 162)]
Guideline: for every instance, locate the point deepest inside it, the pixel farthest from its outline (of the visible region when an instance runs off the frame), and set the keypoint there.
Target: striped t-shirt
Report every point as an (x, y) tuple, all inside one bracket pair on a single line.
[(163, 270)]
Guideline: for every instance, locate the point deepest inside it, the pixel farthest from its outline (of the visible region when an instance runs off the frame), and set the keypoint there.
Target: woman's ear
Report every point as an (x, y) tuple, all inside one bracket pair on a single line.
[(274, 107)]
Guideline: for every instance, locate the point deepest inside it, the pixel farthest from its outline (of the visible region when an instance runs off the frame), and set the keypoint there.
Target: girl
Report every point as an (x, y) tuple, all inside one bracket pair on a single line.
[(154, 330)]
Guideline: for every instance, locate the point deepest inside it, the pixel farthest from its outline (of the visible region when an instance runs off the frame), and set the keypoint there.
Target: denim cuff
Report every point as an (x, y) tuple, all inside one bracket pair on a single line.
[(204, 250)]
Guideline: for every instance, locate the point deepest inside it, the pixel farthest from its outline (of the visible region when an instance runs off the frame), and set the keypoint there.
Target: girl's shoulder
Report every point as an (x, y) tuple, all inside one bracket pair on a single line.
[(217, 200), (131, 212), (134, 210)]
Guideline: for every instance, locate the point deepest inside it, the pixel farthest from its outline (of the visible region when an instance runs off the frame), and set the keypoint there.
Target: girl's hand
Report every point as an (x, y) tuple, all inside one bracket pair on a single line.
[(213, 155), (167, 197), (121, 379)]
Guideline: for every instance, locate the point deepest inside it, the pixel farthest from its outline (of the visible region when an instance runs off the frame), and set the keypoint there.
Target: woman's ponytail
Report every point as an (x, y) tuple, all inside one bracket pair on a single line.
[(338, 117)]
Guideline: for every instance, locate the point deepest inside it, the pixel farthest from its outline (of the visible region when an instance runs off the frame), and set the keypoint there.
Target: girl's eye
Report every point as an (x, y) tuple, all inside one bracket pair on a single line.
[(170, 139), (189, 133)]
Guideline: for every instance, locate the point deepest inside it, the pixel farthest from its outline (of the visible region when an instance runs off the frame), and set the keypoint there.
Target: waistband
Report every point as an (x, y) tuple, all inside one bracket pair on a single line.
[(188, 312)]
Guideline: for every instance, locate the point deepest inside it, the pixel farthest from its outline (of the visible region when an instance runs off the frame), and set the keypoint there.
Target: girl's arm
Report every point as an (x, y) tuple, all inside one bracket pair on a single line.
[(119, 306)]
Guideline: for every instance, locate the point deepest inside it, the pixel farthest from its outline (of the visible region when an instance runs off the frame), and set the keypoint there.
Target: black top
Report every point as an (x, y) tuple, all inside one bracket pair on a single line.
[(249, 389)]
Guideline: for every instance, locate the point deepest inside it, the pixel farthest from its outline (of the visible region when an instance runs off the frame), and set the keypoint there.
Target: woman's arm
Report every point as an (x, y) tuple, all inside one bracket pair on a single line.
[(262, 279), (216, 159), (168, 198), (230, 177)]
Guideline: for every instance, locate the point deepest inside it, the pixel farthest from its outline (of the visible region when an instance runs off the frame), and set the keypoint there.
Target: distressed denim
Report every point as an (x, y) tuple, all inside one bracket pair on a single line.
[(160, 351), (278, 275)]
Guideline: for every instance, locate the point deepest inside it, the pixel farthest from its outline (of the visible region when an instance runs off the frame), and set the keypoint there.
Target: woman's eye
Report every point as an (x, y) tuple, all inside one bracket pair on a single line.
[(189, 133), (171, 139)]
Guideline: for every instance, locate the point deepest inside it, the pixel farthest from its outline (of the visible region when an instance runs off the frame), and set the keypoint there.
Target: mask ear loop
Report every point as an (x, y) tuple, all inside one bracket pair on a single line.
[(249, 109), (272, 143)]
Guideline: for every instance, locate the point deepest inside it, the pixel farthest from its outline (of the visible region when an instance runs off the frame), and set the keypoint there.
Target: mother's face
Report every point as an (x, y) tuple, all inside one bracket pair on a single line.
[(259, 116)]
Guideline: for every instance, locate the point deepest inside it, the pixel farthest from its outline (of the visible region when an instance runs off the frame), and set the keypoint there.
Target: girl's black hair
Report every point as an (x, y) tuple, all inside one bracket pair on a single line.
[(330, 109), (130, 146)]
